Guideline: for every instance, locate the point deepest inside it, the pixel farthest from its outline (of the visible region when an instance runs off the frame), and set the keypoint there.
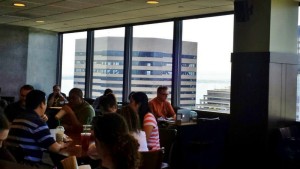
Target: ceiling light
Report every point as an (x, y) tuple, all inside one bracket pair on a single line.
[(39, 21), (152, 2), (19, 4)]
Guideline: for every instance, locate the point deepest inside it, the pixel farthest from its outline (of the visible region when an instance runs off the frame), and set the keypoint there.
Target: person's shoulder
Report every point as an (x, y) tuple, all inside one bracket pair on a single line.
[(153, 100)]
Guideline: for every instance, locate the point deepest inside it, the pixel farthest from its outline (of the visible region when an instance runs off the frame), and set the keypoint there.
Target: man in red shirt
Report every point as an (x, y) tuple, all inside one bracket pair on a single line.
[(160, 106)]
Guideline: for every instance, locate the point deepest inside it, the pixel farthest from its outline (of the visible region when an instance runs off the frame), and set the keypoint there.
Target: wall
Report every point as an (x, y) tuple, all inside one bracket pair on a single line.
[(27, 56)]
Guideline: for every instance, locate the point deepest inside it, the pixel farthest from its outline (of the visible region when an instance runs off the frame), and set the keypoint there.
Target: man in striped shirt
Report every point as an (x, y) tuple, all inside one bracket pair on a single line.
[(30, 132)]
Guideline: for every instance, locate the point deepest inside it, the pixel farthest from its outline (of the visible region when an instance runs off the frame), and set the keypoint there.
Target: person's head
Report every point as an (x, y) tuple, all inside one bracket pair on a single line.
[(36, 100), (56, 88), (109, 103), (4, 127), (139, 103), (162, 93), (107, 91), (24, 90), (131, 118), (116, 147), (75, 97), (130, 95)]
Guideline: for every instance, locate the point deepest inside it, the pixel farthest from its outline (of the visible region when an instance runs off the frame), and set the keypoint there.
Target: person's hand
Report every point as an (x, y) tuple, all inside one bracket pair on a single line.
[(44, 118)]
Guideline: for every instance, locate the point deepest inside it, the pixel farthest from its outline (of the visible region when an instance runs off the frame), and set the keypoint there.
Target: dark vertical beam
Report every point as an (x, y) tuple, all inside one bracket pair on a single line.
[(59, 59), (176, 65), (89, 64), (127, 67)]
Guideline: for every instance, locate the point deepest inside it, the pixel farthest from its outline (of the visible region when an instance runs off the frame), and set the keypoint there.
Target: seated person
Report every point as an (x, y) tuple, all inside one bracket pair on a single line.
[(77, 112), (16, 108), (4, 128), (160, 106), (116, 147), (97, 102), (30, 132), (108, 104), (56, 99)]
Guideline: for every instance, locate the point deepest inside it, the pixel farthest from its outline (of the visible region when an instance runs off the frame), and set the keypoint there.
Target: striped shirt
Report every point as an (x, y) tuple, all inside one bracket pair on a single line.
[(153, 141), (32, 134)]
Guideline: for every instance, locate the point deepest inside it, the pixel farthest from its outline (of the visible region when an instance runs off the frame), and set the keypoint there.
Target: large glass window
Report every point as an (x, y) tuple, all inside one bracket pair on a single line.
[(152, 57), (108, 62), (73, 61), (206, 68)]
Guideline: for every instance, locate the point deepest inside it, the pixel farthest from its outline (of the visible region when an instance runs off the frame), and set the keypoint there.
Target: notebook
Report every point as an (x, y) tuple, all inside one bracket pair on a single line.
[(183, 115)]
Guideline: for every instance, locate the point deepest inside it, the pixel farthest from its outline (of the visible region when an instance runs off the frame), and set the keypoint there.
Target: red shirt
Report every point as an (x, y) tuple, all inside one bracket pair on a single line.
[(161, 109)]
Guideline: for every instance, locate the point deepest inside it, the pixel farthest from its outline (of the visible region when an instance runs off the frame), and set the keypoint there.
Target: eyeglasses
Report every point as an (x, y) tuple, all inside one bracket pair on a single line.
[(164, 94)]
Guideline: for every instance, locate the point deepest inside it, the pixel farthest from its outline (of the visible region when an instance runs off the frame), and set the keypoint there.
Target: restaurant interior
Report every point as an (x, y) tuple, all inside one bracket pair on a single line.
[(260, 129)]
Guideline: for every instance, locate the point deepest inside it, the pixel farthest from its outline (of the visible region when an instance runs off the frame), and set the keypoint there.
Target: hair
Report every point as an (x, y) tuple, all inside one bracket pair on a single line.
[(142, 99), (34, 98), (55, 86), (107, 102), (107, 91), (130, 95), (162, 88), (4, 124), (26, 87), (111, 130), (77, 92), (131, 118)]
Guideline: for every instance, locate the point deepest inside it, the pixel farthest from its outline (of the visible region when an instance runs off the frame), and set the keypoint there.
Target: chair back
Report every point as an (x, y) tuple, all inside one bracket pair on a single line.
[(69, 163), (151, 159), (167, 137), (18, 152)]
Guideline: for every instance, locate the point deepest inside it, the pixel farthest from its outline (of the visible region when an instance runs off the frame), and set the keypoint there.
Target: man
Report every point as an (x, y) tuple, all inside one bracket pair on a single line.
[(98, 102), (77, 112), (30, 132), (159, 105), (56, 99), (16, 108)]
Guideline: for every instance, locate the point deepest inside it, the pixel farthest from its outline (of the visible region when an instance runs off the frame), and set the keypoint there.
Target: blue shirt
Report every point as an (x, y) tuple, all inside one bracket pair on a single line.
[(32, 134)]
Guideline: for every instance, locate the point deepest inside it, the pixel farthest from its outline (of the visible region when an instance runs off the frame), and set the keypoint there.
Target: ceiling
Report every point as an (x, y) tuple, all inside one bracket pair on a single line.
[(70, 15)]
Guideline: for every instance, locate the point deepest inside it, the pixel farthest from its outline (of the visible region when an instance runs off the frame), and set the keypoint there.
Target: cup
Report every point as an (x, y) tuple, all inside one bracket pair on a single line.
[(70, 162), (87, 128), (59, 135), (85, 140), (60, 114)]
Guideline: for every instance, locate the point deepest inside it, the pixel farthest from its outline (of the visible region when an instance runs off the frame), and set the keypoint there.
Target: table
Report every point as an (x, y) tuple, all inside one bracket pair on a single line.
[(9, 165), (74, 147)]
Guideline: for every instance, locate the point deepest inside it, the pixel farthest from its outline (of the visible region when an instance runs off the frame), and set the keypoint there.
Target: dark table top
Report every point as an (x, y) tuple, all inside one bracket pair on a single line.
[(9, 165)]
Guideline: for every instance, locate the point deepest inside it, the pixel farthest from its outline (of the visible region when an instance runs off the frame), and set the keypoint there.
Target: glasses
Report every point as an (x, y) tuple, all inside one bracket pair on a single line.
[(164, 94)]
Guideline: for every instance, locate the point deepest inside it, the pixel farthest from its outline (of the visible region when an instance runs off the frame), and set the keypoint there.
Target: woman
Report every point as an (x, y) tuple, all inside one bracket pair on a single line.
[(139, 102), (134, 126), (116, 147)]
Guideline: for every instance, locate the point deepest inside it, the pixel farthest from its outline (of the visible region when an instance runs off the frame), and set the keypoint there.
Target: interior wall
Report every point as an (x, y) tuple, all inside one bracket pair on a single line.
[(28, 56)]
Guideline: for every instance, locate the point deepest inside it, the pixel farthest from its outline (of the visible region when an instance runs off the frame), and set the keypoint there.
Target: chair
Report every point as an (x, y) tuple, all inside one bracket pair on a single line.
[(17, 152), (151, 159), (69, 163), (167, 138)]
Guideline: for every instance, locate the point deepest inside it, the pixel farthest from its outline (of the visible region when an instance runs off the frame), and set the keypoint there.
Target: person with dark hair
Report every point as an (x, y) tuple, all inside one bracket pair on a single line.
[(108, 104), (30, 132), (4, 129), (77, 112), (139, 103), (97, 102), (116, 147), (17, 108), (160, 106), (134, 126), (57, 98)]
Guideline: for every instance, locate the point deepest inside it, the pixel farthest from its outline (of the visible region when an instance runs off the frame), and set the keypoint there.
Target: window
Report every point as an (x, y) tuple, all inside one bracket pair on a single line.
[(206, 66), (73, 61), (109, 61), (151, 57)]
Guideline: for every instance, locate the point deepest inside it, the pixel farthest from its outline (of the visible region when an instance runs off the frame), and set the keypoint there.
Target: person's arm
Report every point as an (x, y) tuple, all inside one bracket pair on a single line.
[(148, 130), (56, 147), (170, 110), (50, 100)]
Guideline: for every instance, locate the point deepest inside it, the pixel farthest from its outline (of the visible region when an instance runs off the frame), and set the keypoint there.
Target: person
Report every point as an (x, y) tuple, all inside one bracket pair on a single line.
[(116, 147), (97, 102), (160, 106), (133, 122), (57, 98), (15, 109), (109, 104), (5, 154), (139, 103), (31, 133), (77, 112)]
